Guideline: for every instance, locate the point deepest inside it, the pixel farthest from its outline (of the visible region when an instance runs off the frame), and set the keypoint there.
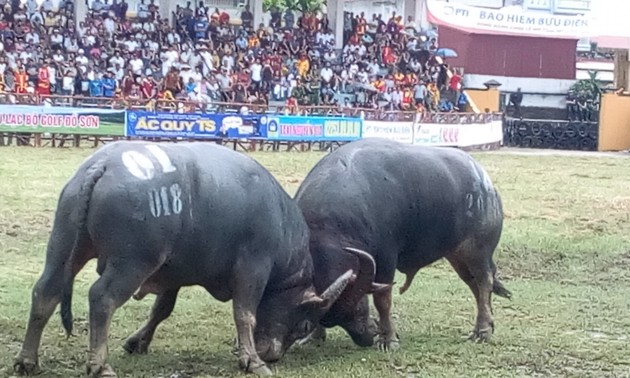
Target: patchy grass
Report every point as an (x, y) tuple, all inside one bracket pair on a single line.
[(564, 254)]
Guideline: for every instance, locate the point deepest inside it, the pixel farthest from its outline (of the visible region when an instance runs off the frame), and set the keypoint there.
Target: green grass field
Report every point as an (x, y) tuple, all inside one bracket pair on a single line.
[(565, 255)]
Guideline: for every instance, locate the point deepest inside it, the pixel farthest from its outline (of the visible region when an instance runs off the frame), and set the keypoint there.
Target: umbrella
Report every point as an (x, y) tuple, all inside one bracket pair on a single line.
[(431, 33), (446, 53)]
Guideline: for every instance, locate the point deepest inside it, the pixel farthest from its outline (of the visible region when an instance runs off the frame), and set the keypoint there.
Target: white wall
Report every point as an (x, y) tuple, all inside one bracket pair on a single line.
[(550, 93), (511, 84), (370, 7)]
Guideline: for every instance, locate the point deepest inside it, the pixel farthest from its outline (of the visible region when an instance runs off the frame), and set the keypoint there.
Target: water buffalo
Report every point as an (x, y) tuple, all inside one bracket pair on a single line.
[(407, 206), (160, 217)]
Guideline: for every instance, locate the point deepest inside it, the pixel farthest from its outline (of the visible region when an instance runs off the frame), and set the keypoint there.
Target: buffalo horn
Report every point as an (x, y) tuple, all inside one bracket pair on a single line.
[(333, 292), (364, 283)]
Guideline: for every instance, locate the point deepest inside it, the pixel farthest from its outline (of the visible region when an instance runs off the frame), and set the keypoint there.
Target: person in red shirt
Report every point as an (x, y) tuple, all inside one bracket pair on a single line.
[(224, 18), (43, 81), (292, 105), (455, 82), (389, 57), (147, 87), (407, 99)]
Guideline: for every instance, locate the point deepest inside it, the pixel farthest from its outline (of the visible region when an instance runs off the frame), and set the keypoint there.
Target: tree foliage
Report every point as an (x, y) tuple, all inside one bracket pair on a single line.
[(294, 5), (591, 87)]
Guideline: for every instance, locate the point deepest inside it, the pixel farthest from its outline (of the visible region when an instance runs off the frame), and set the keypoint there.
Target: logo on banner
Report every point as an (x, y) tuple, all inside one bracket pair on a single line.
[(449, 134)]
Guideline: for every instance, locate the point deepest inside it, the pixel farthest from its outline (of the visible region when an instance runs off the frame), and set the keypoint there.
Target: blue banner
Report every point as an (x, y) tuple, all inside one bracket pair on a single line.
[(191, 125), (311, 129)]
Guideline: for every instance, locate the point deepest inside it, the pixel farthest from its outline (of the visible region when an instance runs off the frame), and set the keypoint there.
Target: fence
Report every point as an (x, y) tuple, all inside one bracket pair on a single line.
[(55, 120), (552, 134)]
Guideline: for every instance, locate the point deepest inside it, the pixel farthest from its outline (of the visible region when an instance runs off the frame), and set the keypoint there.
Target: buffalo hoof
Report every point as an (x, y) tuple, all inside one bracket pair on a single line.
[(25, 366), (261, 370), (388, 344), (482, 335), (101, 371), (136, 345)]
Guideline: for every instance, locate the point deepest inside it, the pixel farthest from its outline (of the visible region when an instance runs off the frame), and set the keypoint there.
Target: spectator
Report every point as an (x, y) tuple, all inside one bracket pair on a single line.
[(516, 99), (201, 56)]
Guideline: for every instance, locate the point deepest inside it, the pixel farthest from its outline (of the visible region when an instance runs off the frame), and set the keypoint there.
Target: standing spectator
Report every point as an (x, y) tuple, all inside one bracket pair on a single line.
[(516, 99), (43, 81)]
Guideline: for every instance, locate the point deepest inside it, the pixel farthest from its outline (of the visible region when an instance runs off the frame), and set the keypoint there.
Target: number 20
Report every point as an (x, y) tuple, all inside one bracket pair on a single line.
[(165, 201)]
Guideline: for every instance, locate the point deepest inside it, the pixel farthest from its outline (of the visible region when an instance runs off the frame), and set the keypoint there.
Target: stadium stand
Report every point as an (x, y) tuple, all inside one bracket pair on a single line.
[(203, 60)]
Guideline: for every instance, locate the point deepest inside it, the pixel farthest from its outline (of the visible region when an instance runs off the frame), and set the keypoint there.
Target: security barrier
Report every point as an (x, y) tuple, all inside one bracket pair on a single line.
[(259, 126)]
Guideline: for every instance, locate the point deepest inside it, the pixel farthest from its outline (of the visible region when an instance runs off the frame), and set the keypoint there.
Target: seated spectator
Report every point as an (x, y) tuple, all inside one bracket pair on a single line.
[(202, 57)]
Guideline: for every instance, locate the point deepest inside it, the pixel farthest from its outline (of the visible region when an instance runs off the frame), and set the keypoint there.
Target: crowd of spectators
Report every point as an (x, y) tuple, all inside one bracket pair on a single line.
[(203, 56)]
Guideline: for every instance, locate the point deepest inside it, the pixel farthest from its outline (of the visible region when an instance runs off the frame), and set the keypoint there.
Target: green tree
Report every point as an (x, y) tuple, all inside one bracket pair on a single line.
[(590, 87), (278, 4), (294, 5)]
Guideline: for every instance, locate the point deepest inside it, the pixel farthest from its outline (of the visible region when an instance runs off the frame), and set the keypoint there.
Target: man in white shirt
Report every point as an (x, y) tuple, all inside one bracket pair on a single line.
[(326, 74), (81, 58), (136, 65), (31, 7), (116, 60), (47, 6), (228, 62), (32, 38), (143, 10), (256, 69)]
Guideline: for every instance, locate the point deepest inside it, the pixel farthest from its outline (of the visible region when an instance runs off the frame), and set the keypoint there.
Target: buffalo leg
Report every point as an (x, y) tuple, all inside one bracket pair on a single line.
[(478, 276), (162, 309), (388, 339), (47, 294), (244, 303), (117, 284)]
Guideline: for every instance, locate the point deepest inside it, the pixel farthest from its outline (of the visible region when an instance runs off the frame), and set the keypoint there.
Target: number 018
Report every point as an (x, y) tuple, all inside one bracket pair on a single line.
[(165, 201)]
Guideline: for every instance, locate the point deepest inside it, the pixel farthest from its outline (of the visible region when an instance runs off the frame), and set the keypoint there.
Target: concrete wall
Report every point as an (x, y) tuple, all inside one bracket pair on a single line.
[(537, 92), (614, 123)]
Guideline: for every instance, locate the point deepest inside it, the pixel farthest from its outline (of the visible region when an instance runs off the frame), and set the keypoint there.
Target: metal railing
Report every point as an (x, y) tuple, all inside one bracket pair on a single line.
[(185, 106)]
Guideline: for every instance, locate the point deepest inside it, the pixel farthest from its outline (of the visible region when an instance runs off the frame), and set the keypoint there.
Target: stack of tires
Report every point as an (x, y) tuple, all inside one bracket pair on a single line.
[(558, 135)]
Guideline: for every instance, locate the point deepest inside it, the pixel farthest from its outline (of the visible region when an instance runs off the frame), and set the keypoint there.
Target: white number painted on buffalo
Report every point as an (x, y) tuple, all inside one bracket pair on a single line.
[(165, 201), (142, 167)]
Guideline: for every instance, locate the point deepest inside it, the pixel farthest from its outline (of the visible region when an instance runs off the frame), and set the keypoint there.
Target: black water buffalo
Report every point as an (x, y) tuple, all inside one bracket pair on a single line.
[(407, 206), (159, 217)]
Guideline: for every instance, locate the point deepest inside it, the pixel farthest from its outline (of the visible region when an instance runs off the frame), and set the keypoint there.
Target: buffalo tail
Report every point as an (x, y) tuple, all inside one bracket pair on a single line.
[(92, 175)]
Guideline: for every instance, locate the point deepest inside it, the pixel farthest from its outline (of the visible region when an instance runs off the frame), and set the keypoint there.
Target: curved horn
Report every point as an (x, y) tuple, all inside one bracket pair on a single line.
[(331, 294), (364, 283)]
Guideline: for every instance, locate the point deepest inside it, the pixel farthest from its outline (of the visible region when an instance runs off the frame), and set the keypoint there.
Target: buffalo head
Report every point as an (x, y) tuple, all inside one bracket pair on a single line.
[(351, 311), (289, 315)]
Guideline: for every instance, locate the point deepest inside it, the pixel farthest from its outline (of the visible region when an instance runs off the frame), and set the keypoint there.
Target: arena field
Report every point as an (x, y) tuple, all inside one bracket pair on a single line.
[(565, 255)]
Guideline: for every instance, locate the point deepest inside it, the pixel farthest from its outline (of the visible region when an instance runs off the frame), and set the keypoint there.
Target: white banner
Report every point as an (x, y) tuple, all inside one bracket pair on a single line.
[(398, 131), (436, 134), (514, 20)]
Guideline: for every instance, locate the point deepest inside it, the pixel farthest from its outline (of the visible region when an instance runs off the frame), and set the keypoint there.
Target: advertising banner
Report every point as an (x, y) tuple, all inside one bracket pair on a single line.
[(61, 120), (458, 135), (513, 20), (311, 129), (191, 125), (398, 131)]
